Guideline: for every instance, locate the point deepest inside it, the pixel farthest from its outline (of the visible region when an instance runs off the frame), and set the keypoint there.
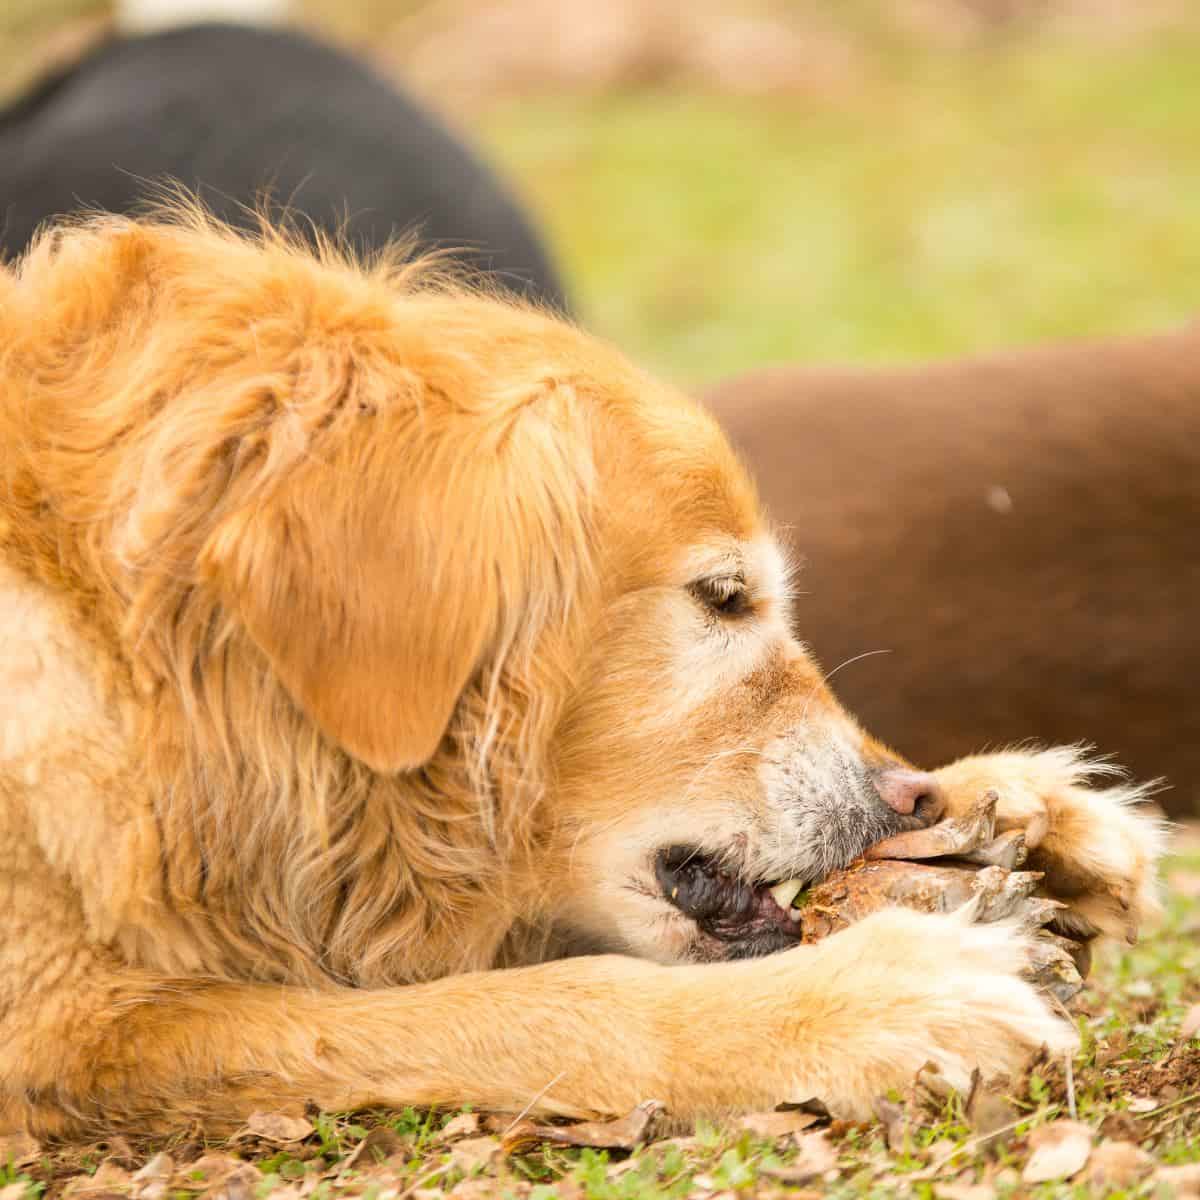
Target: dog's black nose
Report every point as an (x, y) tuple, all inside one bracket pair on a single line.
[(907, 791)]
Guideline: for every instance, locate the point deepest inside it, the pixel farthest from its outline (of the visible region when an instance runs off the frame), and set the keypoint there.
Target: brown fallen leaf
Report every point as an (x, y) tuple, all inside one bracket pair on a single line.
[(965, 1191), (85, 1187), (211, 1169), (623, 1134), (464, 1125), (476, 1189), (813, 1157), (278, 1127), (1118, 1166), (472, 1154), (108, 1177), (897, 1128), (1184, 1181), (1059, 1150), (243, 1184), (777, 1124), (379, 1144), (152, 1180), (990, 1115)]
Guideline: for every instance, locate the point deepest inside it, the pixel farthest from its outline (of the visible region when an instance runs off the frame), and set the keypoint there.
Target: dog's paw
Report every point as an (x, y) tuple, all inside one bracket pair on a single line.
[(912, 988), (1083, 830)]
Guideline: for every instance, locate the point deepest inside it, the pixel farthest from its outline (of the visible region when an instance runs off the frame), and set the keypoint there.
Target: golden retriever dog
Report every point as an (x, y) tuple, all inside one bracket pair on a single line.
[(1018, 533), (399, 706)]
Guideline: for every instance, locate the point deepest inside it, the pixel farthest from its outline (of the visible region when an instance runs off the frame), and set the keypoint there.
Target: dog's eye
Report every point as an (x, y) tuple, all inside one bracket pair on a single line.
[(726, 596)]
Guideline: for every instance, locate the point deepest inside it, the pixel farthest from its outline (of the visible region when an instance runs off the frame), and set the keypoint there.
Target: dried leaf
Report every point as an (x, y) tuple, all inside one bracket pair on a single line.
[(1184, 1181), (1060, 1150), (1118, 1165), (213, 1168), (243, 1184), (897, 1128), (990, 1115), (476, 1189), (152, 1181), (110, 1176), (1142, 1104), (623, 1134), (13, 1191), (121, 1153), (464, 1125), (108, 1180), (965, 1191), (379, 1144), (813, 1157), (278, 1127), (777, 1124), (473, 1154)]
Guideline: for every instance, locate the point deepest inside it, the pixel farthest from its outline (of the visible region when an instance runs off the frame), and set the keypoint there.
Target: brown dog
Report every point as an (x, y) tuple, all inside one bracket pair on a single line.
[(1019, 532), (360, 637)]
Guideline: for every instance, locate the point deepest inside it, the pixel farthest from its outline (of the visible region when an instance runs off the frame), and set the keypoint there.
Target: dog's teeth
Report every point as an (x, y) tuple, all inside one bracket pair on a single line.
[(794, 915), (785, 892)]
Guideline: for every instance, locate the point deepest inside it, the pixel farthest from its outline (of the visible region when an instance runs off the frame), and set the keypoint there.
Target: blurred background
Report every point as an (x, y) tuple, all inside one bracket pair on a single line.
[(727, 183)]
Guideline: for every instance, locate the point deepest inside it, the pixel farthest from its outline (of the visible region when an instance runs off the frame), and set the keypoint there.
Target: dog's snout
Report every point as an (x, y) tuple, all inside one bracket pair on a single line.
[(907, 791)]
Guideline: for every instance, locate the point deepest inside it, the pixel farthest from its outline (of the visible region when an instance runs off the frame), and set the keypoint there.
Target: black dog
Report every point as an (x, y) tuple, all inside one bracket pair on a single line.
[(233, 112)]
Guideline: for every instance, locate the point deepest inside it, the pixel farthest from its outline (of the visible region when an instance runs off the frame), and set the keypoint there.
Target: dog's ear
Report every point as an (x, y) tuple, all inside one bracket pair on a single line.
[(380, 578)]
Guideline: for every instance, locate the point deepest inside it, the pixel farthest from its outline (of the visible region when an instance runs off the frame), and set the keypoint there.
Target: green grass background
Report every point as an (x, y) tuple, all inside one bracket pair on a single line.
[(953, 202)]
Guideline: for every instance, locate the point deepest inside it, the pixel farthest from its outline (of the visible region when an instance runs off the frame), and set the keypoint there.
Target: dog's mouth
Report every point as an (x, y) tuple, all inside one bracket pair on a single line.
[(738, 916), (748, 918)]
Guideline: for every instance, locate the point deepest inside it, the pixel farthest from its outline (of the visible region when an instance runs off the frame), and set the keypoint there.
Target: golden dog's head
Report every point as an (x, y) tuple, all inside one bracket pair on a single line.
[(471, 551)]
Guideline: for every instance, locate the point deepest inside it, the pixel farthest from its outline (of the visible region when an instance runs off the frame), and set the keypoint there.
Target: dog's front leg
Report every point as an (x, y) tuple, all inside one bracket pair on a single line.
[(1083, 828), (845, 1020)]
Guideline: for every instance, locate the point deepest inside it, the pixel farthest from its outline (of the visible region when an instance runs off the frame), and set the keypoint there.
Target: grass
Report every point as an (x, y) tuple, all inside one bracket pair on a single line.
[(944, 203), (1130, 1056)]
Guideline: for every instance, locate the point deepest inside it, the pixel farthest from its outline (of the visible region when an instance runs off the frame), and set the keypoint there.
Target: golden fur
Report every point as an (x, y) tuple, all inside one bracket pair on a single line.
[(356, 640)]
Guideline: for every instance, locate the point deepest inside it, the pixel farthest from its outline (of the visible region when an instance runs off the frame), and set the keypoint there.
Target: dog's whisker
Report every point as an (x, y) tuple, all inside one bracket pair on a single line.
[(830, 674)]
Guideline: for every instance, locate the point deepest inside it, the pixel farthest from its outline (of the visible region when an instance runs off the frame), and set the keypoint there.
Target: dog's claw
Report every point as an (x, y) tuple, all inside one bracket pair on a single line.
[(1008, 851), (998, 890), (1054, 966), (954, 836)]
